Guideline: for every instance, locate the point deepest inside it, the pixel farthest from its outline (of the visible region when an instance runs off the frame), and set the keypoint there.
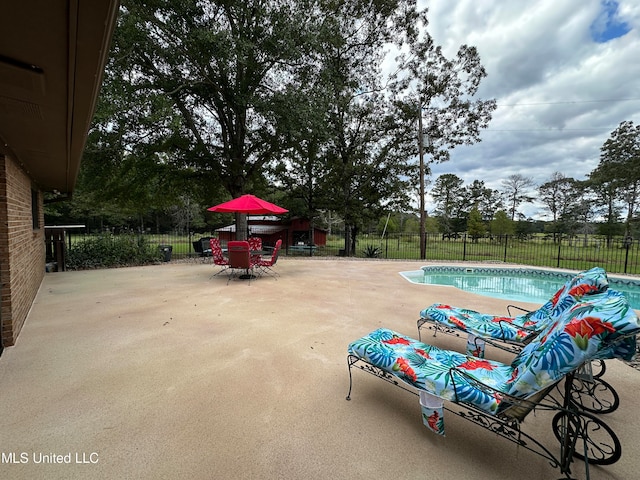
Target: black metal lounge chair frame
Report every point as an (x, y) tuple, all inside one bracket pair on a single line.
[(580, 434)]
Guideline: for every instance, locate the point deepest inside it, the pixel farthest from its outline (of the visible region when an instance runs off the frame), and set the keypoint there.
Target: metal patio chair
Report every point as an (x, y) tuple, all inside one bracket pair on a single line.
[(266, 266), (218, 256), (240, 260)]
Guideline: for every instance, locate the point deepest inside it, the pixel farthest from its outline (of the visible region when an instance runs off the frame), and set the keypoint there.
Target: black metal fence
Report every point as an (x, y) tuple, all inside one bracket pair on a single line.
[(615, 255)]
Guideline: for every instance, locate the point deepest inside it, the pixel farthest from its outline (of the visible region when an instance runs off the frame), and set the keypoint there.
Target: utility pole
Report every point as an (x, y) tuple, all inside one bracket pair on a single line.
[(423, 239)]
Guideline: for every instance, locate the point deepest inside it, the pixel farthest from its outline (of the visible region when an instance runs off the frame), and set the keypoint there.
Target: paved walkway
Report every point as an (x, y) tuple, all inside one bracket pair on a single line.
[(165, 373)]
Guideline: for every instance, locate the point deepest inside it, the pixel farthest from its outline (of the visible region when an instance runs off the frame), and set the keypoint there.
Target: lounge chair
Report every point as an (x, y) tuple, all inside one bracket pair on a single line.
[(499, 396)]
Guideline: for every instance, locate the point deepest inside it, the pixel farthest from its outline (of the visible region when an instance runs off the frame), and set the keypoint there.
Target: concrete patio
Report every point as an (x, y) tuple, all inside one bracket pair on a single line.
[(162, 372)]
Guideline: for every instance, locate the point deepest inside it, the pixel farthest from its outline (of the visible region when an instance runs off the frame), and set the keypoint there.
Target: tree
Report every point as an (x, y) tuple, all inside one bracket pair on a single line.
[(584, 209), (448, 195), (301, 168), (442, 89), (515, 191), (387, 225), (118, 171), (475, 225), (620, 168), (439, 88), (213, 92), (560, 196), (341, 155), (218, 70), (363, 170), (486, 200), (502, 225)]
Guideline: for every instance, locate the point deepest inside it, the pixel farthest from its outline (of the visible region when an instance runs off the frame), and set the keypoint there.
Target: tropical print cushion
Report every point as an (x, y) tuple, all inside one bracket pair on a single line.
[(589, 282), (429, 368), (517, 329), (511, 329), (602, 327)]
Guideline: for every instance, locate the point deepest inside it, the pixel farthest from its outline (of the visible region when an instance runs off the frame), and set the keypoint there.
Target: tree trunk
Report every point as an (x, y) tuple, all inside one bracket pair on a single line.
[(347, 240), (241, 226), (354, 234)]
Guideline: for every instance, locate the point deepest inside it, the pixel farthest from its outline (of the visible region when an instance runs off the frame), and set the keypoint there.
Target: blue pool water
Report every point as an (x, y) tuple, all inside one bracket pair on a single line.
[(517, 284)]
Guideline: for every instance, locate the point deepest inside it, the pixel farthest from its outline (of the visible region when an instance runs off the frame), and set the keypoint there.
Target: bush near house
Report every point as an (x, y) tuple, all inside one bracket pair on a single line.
[(112, 251)]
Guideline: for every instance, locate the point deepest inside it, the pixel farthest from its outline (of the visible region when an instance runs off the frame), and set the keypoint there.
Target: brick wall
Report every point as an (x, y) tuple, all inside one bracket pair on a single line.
[(22, 249)]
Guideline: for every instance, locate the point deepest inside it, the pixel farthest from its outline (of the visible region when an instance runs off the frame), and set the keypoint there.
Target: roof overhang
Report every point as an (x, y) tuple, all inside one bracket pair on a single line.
[(52, 59)]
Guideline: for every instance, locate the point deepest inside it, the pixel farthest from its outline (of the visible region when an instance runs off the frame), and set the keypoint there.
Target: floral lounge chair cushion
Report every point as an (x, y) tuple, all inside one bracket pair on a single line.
[(587, 331), (602, 327), (517, 329), (429, 368)]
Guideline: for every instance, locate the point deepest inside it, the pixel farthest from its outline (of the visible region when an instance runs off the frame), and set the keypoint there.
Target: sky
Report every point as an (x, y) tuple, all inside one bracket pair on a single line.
[(564, 74)]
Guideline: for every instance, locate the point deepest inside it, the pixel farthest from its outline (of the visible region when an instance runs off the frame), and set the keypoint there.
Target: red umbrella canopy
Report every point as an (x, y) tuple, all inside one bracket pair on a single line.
[(249, 204)]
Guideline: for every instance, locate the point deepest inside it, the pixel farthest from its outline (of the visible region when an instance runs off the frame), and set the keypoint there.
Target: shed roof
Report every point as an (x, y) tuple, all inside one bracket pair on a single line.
[(256, 229)]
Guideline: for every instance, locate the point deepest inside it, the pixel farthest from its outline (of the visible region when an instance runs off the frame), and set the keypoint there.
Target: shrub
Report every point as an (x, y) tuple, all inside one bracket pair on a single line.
[(111, 251), (371, 252)]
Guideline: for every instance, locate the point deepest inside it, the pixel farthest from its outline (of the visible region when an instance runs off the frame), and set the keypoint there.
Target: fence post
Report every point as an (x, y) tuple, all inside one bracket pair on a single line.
[(559, 249), (506, 239), (627, 243), (464, 247)]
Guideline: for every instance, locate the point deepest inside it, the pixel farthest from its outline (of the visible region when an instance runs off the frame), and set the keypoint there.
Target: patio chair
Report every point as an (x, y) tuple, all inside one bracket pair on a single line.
[(266, 266), (202, 247), (240, 259), (255, 245), (498, 396), (218, 257)]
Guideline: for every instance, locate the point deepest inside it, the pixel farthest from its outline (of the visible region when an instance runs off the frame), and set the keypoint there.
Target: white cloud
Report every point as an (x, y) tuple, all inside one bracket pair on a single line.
[(560, 93)]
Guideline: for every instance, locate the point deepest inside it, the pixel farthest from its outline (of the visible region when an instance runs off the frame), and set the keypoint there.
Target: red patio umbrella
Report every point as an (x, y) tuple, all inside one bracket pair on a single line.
[(249, 204)]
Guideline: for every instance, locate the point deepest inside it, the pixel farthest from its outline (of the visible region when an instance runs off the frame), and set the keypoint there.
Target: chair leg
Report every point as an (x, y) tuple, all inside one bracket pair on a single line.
[(223, 268), (246, 271), (231, 274), (270, 271)]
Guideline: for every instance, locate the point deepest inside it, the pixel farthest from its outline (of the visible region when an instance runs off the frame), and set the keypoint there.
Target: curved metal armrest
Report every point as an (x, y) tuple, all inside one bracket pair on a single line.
[(509, 307)]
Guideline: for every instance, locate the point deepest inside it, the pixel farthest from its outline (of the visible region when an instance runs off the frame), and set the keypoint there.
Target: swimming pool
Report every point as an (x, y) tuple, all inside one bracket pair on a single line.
[(517, 284)]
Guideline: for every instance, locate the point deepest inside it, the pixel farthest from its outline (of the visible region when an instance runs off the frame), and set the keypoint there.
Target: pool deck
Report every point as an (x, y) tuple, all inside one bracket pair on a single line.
[(162, 372)]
